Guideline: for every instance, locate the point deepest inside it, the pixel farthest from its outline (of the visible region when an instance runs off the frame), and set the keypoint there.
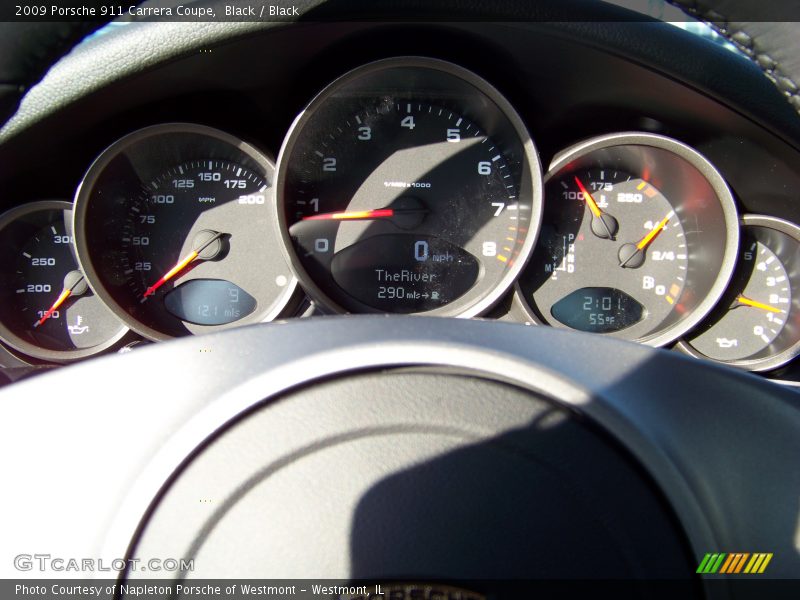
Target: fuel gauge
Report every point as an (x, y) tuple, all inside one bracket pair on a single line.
[(638, 240), (47, 310), (758, 324)]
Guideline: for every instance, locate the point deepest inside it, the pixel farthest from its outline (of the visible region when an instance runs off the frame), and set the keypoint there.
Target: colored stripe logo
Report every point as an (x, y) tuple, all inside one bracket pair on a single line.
[(734, 563)]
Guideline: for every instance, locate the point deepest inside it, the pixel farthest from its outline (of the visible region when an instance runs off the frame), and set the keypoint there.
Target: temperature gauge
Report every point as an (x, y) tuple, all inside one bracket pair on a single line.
[(47, 310), (638, 240), (758, 325)]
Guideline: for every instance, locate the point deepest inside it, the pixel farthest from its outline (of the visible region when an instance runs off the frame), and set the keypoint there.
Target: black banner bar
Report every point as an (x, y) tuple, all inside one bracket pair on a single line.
[(719, 11), (740, 587)]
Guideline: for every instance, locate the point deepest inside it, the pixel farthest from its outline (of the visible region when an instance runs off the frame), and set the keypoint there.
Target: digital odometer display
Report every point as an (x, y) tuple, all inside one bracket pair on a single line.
[(408, 186), (209, 302), (405, 273)]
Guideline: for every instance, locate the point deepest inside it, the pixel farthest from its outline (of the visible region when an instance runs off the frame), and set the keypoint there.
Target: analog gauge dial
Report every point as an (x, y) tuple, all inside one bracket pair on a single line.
[(636, 240), (47, 310), (757, 325), (647, 244), (408, 186), (175, 232)]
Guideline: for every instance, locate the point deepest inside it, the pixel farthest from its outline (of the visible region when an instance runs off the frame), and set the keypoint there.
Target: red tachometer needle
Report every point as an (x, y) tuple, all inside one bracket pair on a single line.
[(179, 266), (587, 197), (354, 215)]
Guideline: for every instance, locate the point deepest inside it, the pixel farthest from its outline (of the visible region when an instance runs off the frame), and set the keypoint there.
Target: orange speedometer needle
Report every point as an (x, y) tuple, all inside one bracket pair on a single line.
[(631, 256), (755, 304), (180, 266), (603, 224), (353, 215), (74, 284)]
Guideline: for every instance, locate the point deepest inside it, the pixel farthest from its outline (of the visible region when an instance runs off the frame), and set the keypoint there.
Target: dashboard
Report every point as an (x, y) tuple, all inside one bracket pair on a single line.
[(476, 170), (393, 298)]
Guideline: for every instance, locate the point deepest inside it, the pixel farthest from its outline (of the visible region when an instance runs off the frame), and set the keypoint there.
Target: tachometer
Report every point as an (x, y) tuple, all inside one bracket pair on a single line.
[(173, 231), (638, 242), (46, 308), (408, 186)]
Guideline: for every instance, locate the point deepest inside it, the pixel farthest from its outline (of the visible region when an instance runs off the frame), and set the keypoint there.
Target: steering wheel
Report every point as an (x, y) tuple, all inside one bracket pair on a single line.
[(384, 449)]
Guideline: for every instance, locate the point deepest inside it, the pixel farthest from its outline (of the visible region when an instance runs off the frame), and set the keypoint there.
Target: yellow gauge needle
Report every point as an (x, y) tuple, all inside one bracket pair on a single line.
[(747, 302), (632, 256), (651, 235), (179, 266), (74, 285), (59, 301), (587, 197), (603, 224)]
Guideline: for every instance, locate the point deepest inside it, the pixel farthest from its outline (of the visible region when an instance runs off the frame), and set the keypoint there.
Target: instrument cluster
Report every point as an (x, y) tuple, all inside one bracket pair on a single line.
[(409, 186)]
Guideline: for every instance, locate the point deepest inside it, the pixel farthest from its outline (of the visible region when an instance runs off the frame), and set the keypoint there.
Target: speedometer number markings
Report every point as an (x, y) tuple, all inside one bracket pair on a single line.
[(188, 243)]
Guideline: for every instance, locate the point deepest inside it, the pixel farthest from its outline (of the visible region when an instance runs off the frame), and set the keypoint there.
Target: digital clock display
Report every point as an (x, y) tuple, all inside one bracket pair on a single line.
[(598, 310)]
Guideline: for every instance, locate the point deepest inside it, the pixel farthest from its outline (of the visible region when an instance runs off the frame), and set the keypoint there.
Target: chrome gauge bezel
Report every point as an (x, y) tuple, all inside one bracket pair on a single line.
[(773, 358), (85, 253), (649, 146), (26, 348), (531, 182)]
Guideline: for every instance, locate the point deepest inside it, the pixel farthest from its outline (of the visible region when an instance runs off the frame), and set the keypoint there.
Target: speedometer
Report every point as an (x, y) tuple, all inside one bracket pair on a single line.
[(173, 231), (408, 186)]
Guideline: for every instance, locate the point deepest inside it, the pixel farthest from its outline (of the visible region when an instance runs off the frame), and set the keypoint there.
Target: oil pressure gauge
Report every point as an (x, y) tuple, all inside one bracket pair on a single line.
[(757, 324), (47, 310)]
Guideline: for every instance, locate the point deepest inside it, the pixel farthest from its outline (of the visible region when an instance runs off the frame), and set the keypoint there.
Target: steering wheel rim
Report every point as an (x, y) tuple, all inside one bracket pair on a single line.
[(649, 400)]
